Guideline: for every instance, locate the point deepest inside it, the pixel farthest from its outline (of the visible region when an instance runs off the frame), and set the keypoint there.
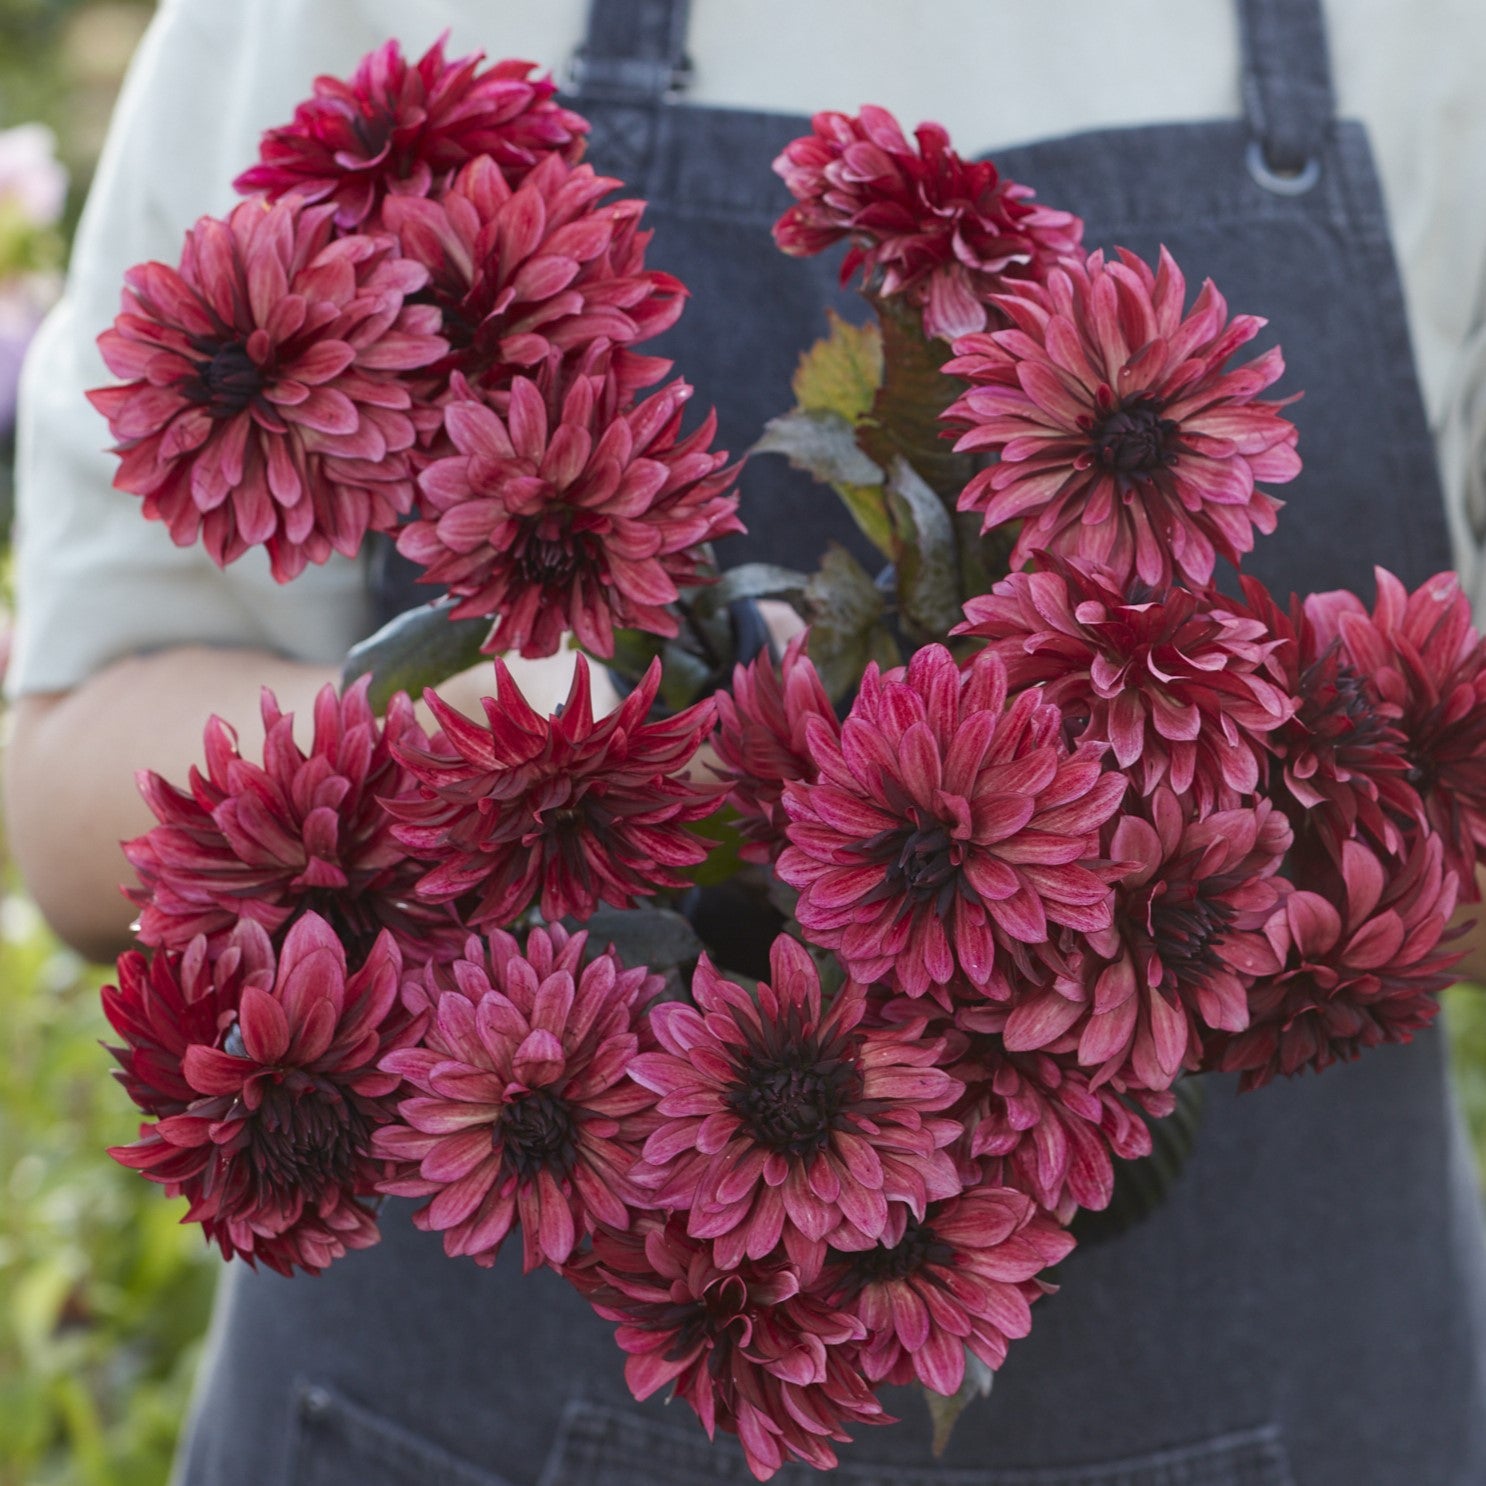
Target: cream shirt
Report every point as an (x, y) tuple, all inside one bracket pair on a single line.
[(96, 581)]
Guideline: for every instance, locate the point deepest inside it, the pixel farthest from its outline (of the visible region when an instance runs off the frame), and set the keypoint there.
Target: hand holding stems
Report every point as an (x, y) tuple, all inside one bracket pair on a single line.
[(72, 758)]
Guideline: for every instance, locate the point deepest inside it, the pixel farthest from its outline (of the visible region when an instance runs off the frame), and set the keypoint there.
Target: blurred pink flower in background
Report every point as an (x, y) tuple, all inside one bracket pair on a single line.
[(33, 191)]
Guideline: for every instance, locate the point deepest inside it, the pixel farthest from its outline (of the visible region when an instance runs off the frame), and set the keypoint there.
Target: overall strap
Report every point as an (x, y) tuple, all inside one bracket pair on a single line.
[(635, 52), (1287, 91), (632, 61)]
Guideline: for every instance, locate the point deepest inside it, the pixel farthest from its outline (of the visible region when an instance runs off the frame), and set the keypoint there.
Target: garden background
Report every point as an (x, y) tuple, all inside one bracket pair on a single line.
[(103, 1295)]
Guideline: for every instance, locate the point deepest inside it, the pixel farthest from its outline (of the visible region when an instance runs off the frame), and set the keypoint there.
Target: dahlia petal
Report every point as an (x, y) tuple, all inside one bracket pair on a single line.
[(940, 1363), (1039, 1022)]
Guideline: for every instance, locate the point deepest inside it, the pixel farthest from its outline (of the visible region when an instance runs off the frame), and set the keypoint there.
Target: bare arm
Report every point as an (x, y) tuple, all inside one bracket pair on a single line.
[(70, 795), (70, 766)]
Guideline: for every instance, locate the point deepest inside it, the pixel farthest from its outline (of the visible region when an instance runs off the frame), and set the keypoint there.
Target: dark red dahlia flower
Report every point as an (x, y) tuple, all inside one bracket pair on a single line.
[(1121, 439), (743, 1346), (963, 1279), (945, 232), (582, 516), (569, 810), (1362, 965), (1034, 1123), (1186, 944), (943, 820), (521, 1107), (1340, 767), (519, 274), (303, 833), (264, 402), (404, 129), (1172, 680), (761, 745), (1422, 660), (787, 1121), (264, 1080), (168, 1002)]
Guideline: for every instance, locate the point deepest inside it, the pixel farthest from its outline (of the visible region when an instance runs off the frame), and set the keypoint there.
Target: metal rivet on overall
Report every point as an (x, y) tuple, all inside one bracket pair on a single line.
[(1286, 183), (314, 1403)]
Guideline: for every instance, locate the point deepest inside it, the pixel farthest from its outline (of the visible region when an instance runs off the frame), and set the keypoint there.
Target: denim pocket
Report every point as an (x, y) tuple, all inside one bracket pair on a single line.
[(338, 1443), (606, 1447)]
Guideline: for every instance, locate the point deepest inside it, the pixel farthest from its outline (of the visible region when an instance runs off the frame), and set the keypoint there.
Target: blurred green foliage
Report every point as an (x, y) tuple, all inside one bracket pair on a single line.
[(106, 1295), (1465, 1016), (60, 64), (103, 1295)]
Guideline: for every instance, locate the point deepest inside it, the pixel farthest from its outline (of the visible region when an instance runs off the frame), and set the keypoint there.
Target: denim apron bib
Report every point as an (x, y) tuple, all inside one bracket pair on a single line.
[(1309, 1306)]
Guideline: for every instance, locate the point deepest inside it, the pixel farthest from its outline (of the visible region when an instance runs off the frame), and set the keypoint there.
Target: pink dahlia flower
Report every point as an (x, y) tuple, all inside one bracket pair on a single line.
[(570, 810), (1422, 660), (263, 1077), (583, 516), (961, 1280), (787, 1121), (761, 745), (1120, 438), (264, 401), (1186, 944), (1361, 966), (944, 232), (1172, 680), (405, 128), (743, 1346), (520, 1104), (944, 820), (1033, 1122), (520, 274), (302, 833)]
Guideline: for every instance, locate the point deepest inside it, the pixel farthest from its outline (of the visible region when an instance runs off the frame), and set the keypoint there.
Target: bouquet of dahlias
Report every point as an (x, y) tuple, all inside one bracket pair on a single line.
[(1037, 823)]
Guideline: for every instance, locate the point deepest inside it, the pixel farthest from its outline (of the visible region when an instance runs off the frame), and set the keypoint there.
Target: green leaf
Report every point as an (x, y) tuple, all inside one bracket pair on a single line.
[(845, 609), (418, 649), (685, 676), (841, 373), (633, 651), (1142, 1185), (752, 580), (944, 1412), (722, 861), (824, 444), (904, 419), (658, 937), (924, 555)]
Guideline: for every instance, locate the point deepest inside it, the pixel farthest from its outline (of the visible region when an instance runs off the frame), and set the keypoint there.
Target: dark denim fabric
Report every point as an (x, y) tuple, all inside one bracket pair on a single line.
[(1310, 1306)]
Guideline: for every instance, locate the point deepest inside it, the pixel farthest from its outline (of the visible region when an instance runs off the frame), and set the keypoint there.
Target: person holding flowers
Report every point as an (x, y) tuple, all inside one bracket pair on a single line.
[(1036, 874)]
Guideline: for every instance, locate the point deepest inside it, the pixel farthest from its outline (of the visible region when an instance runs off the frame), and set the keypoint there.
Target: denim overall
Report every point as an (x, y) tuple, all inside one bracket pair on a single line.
[(1309, 1307)]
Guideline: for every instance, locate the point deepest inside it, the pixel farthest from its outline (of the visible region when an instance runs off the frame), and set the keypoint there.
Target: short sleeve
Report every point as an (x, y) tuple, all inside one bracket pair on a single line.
[(95, 580)]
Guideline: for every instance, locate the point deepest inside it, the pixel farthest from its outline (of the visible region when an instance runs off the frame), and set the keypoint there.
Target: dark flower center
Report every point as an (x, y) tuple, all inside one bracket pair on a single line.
[(1184, 924), (924, 864), (794, 1099), (920, 859), (1135, 439), (374, 128), (717, 1320), (537, 1133), (919, 1248), (305, 1136), (1337, 707), (230, 381), (545, 563)]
